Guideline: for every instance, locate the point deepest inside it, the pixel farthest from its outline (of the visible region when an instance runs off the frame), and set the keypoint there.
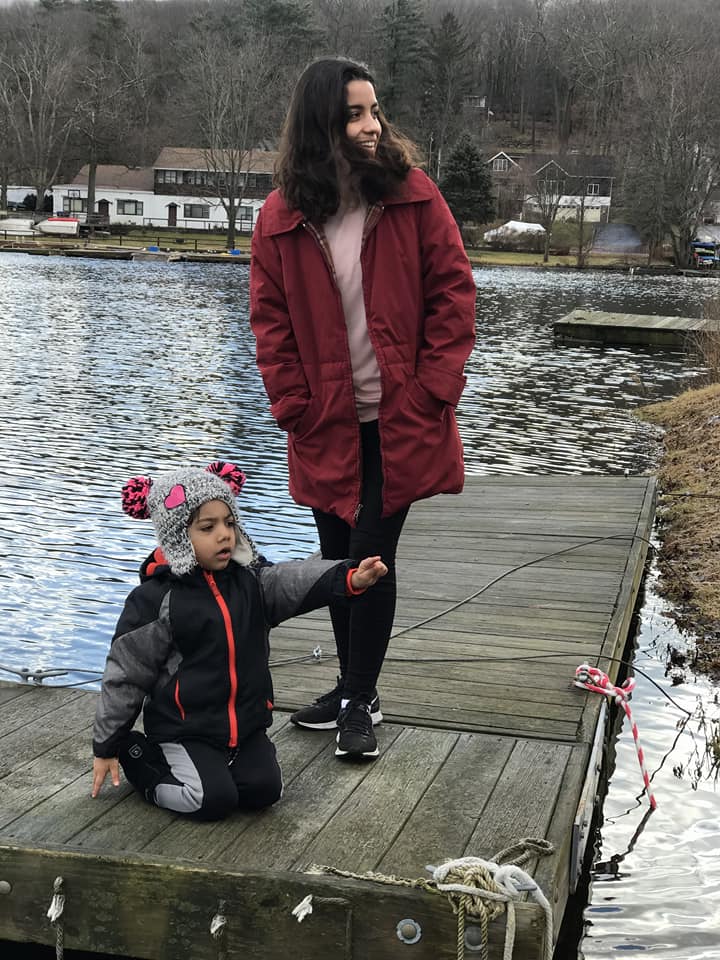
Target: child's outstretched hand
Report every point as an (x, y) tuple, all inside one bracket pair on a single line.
[(101, 768), (368, 572)]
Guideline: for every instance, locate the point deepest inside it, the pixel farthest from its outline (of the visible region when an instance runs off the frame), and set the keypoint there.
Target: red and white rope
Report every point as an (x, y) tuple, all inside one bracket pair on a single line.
[(595, 681)]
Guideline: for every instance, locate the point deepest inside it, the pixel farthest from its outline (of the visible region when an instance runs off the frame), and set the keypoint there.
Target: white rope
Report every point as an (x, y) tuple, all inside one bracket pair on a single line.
[(217, 929), (512, 883), (54, 913), (303, 909)]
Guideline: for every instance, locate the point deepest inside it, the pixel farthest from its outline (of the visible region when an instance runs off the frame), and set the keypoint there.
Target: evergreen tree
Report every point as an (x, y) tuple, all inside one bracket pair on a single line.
[(402, 56), (466, 183), (448, 79)]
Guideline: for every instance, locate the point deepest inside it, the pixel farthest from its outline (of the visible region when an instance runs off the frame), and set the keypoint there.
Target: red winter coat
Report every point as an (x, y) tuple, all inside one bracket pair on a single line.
[(420, 307)]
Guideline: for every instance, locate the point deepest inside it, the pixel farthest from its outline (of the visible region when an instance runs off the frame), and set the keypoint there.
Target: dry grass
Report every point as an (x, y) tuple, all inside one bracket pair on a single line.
[(689, 480)]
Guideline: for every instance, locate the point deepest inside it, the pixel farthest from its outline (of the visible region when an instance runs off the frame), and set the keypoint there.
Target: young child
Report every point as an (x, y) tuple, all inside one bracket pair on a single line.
[(191, 646)]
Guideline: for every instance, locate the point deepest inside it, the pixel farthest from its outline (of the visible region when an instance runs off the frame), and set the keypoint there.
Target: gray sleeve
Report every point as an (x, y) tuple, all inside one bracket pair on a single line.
[(131, 669), (297, 586)]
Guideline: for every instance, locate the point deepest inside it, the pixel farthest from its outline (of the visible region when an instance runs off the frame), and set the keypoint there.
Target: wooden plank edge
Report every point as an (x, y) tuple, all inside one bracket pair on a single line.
[(159, 909), (617, 633)]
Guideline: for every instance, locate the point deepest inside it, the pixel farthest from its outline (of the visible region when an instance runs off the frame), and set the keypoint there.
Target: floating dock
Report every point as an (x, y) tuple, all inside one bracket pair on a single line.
[(504, 591), (629, 329)]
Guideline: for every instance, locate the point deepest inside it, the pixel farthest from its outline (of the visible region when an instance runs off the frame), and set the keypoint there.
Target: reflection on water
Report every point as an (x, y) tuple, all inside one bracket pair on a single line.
[(656, 885), (112, 369)]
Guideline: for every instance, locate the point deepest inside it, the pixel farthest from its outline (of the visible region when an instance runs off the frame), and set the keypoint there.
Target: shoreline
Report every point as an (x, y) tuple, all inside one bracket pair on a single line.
[(196, 250), (689, 516)]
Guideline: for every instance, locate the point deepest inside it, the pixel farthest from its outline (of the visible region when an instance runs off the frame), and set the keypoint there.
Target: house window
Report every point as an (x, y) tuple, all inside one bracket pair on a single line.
[(500, 164), (593, 189), (196, 211), (167, 176), (75, 204), (130, 208)]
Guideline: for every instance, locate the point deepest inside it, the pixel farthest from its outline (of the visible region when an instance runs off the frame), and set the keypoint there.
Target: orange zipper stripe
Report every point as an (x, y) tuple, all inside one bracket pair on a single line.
[(232, 716), (177, 699)]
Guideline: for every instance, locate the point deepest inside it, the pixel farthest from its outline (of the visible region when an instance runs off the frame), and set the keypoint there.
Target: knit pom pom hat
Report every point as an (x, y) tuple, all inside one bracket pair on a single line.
[(170, 501)]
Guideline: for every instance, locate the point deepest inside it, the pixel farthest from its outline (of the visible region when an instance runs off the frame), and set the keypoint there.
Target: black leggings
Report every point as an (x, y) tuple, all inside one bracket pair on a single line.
[(362, 628)]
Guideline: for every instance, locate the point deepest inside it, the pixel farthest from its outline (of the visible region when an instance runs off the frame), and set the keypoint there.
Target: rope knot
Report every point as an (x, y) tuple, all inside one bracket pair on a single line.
[(472, 879)]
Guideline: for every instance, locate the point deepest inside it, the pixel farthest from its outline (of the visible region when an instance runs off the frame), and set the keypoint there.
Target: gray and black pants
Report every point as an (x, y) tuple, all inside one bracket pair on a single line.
[(200, 780)]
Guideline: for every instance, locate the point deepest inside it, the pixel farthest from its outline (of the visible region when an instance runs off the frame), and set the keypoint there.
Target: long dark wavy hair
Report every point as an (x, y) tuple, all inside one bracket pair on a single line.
[(314, 147)]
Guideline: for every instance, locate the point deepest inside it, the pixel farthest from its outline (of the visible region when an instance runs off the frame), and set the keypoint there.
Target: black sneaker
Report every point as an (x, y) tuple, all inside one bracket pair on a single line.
[(322, 714), (356, 737)]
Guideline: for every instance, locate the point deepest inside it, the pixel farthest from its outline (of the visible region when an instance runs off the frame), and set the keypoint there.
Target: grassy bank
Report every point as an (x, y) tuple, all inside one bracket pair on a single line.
[(204, 241), (689, 514)]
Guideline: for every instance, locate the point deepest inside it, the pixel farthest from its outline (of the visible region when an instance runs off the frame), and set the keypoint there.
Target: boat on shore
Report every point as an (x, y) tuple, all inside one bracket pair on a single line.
[(17, 227), (59, 226)]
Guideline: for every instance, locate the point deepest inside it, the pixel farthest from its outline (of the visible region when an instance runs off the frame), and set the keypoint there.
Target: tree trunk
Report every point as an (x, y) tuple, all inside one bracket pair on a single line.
[(231, 228), (681, 247), (92, 177)]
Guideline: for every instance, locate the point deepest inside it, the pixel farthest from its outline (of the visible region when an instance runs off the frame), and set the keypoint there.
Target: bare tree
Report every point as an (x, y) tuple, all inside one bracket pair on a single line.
[(546, 191), (235, 83), (36, 75), (674, 152), (110, 76)]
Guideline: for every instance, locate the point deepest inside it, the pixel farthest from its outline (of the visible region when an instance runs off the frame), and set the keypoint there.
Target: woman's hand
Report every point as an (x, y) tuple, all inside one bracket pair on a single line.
[(102, 766), (368, 572)]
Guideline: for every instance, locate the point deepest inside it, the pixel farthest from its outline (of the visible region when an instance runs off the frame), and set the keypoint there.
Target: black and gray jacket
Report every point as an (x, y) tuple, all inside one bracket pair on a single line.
[(194, 649)]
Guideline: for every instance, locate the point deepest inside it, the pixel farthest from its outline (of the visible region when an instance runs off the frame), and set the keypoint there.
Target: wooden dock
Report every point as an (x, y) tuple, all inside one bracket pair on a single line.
[(485, 742), (629, 329)]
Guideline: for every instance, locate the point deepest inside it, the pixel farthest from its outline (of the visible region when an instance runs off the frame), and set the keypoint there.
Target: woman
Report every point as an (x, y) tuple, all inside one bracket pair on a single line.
[(362, 303)]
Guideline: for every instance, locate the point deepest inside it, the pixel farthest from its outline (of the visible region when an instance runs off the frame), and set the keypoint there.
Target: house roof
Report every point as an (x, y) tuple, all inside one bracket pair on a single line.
[(572, 164), (513, 160), (116, 177), (192, 158)]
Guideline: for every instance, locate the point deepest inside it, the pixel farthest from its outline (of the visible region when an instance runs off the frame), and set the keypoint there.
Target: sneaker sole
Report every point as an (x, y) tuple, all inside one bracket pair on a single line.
[(376, 718), (327, 725), (350, 755)]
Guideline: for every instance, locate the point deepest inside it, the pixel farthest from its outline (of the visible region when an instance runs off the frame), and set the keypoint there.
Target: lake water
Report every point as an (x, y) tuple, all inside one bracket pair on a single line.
[(112, 369)]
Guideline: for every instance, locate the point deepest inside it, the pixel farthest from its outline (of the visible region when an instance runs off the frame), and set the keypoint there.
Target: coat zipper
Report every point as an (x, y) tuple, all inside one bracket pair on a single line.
[(220, 600), (319, 239)]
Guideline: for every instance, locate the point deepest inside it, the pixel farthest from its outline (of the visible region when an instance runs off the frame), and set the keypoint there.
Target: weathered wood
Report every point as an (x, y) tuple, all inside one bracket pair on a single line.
[(391, 789), (13, 691), (37, 728), (442, 822), (151, 909), (597, 326)]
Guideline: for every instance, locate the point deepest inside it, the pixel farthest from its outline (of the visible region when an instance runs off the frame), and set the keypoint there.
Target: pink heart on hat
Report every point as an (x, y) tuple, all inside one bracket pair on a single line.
[(176, 497)]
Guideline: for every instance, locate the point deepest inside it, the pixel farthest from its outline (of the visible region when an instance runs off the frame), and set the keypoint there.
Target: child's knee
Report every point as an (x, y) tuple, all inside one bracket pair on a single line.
[(218, 803), (262, 790)]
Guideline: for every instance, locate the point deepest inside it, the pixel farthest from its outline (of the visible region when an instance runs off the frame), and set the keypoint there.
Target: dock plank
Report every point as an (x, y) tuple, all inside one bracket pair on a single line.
[(391, 789)]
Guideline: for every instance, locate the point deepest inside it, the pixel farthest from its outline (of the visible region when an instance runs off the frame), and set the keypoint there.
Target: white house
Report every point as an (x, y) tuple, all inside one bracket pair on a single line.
[(579, 181), (181, 189)]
